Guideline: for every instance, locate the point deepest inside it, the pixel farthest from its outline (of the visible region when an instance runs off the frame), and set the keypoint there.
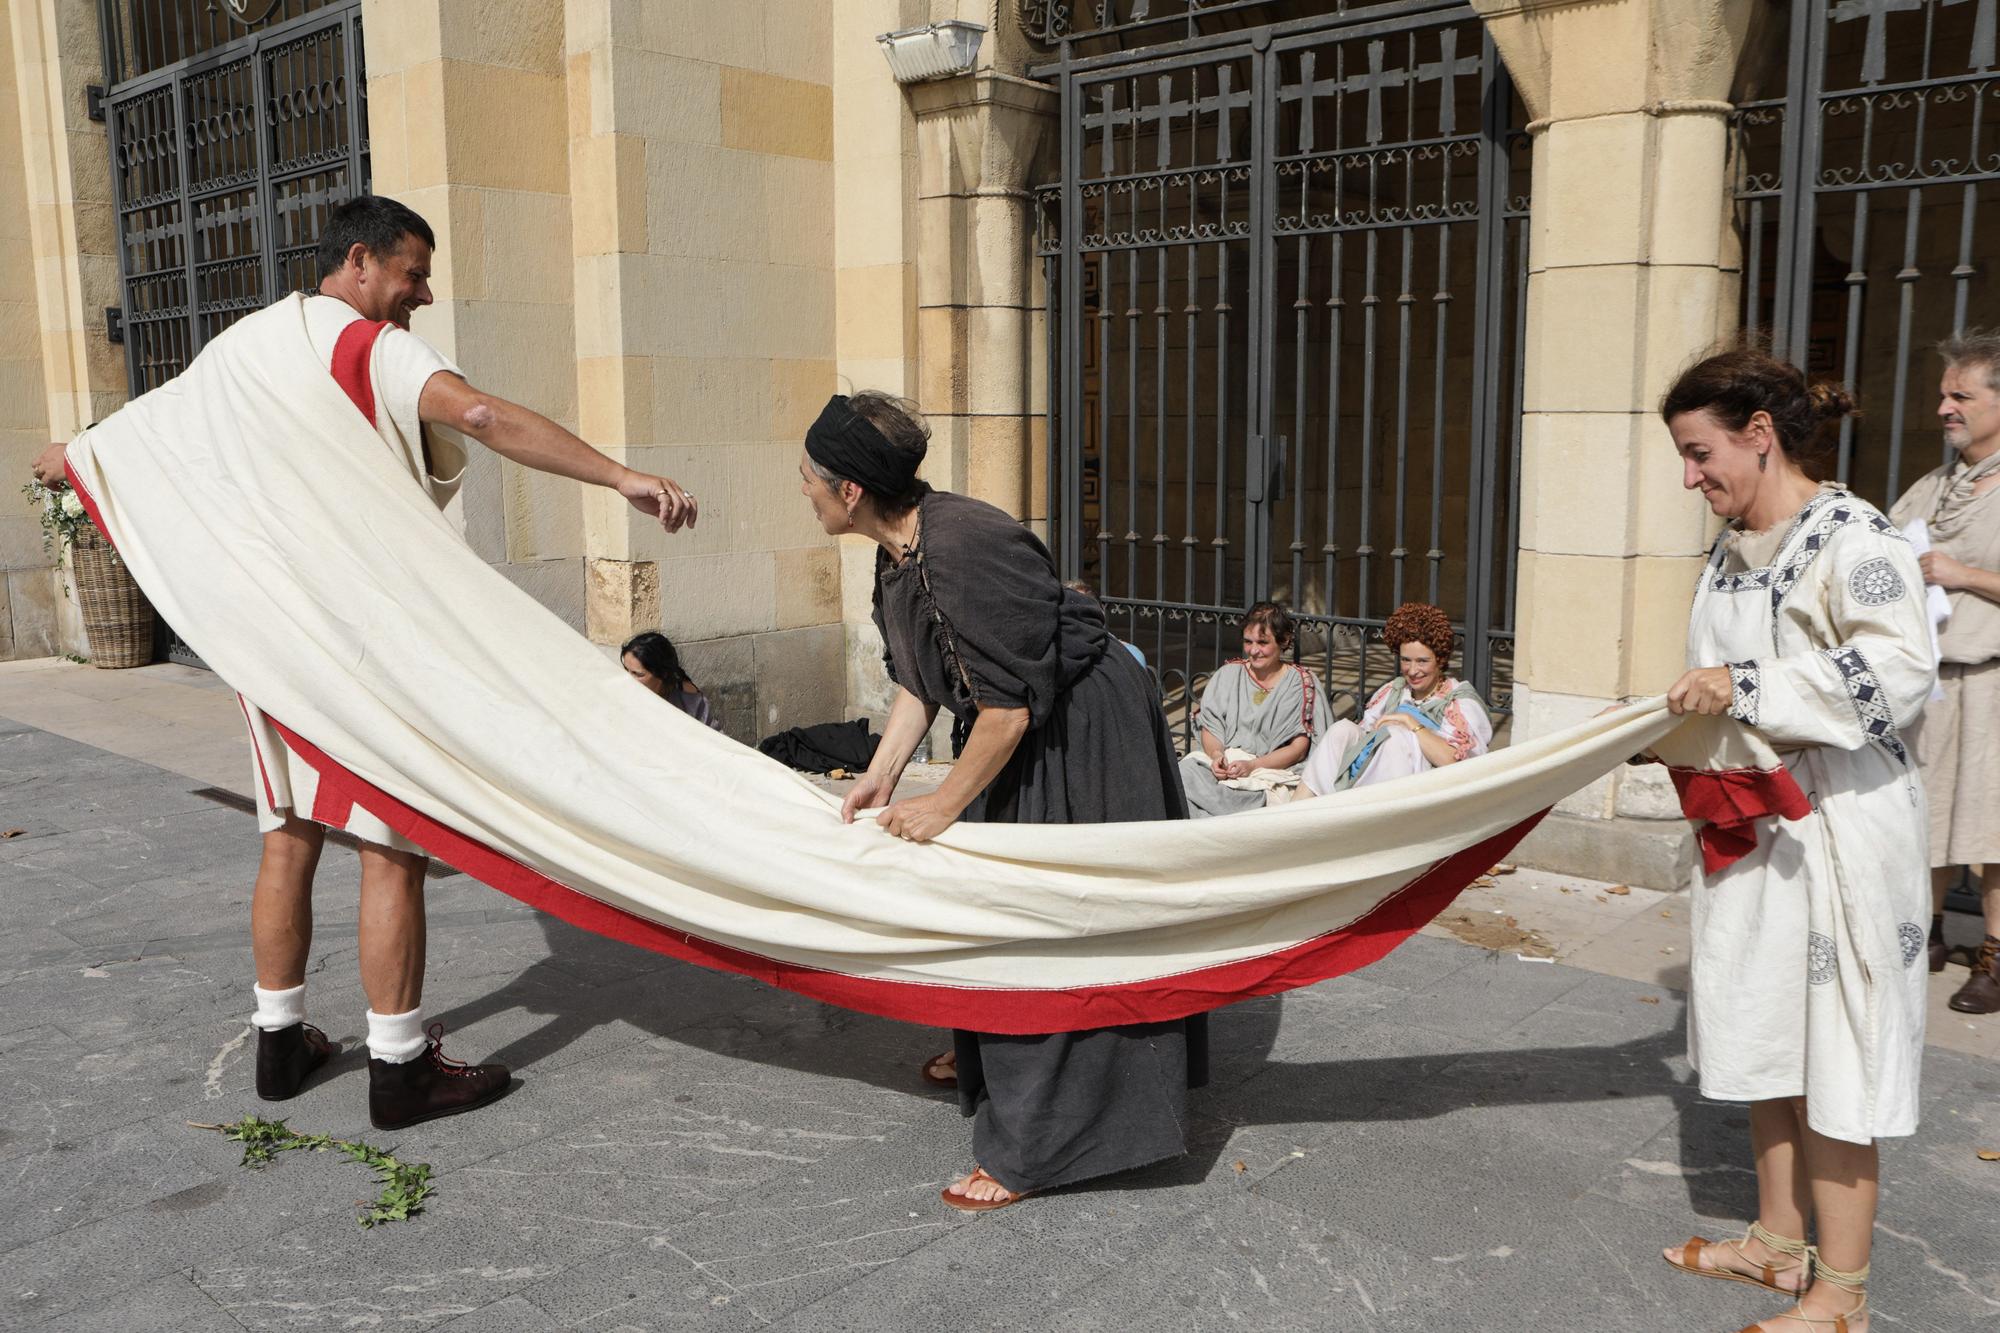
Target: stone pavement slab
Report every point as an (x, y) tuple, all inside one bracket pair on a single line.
[(1452, 1139)]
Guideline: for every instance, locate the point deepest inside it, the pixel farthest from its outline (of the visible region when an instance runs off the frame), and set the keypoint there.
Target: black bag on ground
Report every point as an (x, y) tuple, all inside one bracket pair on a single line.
[(825, 747)]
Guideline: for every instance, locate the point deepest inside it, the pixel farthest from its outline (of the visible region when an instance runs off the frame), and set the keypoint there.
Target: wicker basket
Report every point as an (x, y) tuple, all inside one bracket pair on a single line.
[(116, 615)]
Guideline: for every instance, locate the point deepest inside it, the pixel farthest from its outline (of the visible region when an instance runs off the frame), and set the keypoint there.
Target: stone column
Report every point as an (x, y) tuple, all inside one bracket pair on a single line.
[(66, 175), (968, 272), (701, 149), (979, 368), (468, 125), (875, 276), (1631, 274), (24, 414)]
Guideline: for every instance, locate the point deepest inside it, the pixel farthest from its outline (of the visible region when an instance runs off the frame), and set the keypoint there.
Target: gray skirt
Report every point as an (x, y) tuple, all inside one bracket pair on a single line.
[(1063, 1107)]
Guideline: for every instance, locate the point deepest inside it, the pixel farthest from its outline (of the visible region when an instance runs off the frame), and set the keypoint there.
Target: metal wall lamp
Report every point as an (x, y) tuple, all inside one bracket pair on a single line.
[(933, 51)]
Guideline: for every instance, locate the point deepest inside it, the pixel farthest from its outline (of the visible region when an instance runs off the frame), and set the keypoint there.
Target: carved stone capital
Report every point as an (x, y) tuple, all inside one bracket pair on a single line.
[(1576, 58)]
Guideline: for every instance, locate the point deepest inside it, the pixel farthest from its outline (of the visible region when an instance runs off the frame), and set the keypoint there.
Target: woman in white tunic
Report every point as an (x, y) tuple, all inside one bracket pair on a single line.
[(1807, 990), (1422, 719)]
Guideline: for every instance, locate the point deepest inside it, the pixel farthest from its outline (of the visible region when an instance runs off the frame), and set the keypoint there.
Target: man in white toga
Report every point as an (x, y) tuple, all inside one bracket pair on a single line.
[(374, 263)]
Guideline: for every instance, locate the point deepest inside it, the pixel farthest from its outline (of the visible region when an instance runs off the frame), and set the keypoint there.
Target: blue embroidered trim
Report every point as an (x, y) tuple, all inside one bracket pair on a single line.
[(1871, 702), (1837, 517), (1832, 512), (1743, 696)]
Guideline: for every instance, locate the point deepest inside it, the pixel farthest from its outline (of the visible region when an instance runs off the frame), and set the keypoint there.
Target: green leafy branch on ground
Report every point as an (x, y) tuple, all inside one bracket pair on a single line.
[(404, 1186)]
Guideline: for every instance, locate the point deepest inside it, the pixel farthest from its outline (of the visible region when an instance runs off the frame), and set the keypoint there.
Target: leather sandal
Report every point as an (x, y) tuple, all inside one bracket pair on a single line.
[(942, 1070), (1767, 1275), (1854, 1284), (969, 1205)]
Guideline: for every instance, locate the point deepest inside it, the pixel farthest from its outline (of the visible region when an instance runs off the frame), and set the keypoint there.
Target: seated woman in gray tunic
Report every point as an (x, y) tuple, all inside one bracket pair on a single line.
[(1259, 715), (1065, 728)]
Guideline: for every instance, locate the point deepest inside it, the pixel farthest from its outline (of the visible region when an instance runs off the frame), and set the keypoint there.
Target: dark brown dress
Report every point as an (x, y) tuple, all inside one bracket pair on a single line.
[(977, 617)]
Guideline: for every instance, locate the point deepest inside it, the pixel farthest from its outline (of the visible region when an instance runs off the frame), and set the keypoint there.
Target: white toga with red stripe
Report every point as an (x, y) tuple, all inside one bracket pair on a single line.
[(399, 364)]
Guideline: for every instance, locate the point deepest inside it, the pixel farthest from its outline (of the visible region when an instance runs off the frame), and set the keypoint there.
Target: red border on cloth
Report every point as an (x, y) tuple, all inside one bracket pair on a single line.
[(350, 363), (984, 1009), (1366, 940)]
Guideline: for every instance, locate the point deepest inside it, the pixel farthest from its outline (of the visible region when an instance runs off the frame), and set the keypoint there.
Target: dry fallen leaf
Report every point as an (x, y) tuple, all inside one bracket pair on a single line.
[(1988, 1155), (1649, 999), (1567, 889), (1618, 890), (1502, 869), (1601, 898), (1241, 1167), (1484, 881), (14, 833), (838, 774)]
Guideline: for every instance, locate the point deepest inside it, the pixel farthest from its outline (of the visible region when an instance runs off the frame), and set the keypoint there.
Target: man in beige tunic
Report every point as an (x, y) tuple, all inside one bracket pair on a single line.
[(1958, 738)]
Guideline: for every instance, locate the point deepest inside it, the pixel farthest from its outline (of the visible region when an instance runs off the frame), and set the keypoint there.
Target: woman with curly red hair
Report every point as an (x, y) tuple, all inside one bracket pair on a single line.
[(1422, 719)]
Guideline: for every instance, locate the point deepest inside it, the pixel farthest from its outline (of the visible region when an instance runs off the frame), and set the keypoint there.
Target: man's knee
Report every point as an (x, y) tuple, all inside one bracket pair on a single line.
[(291, 851), (389, 863)]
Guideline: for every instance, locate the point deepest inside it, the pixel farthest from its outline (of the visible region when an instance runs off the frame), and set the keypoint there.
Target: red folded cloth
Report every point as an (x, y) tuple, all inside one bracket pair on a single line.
[(1725, 803)]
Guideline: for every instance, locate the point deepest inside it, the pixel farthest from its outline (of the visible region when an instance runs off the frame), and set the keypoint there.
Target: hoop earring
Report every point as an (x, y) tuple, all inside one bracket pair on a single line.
[(1763, 460)]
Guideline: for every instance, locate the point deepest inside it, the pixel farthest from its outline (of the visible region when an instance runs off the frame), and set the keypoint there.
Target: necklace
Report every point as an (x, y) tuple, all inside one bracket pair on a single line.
[(1258, 693), (909, 547)]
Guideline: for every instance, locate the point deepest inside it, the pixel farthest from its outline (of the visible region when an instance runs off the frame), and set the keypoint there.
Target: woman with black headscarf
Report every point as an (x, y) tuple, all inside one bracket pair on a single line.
[(1064, 728)]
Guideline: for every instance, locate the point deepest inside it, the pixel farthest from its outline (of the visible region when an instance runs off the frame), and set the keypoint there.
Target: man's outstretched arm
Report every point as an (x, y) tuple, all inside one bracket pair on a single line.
[(532, 440)]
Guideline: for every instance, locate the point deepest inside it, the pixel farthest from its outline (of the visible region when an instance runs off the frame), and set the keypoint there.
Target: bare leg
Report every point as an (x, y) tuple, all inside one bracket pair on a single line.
[(1989, 893), (1844, 1188), (1942, 878), (1784, 1199), (1777, 1136), (392, 929), (281, 920)]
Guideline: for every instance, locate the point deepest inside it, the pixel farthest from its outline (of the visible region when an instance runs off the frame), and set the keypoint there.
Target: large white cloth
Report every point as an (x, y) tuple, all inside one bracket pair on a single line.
[(1808, 973), (399, 365), (320, 581)]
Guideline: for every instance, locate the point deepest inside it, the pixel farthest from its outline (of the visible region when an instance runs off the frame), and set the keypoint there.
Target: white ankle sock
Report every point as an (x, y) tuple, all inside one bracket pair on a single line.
[(278, 1008), (396, 1039)]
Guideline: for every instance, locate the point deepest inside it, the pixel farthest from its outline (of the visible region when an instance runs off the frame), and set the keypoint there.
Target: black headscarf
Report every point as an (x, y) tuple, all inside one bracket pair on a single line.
[(848, 445)]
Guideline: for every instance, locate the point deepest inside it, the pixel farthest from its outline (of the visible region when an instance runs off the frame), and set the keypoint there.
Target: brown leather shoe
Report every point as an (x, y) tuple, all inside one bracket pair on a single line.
[(1939, 950), (430, 1086), (287, 1057), (1981, 992)]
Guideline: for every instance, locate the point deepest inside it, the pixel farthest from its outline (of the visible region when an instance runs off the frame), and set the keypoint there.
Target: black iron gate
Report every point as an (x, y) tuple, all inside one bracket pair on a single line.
[(235, 126), (1865, 141), (1284, 268)]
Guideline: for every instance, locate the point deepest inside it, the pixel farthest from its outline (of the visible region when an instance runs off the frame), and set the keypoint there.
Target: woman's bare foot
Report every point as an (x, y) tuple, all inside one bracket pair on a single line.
[(942, 1070), (1746, 1258), (1816, 1312), (979, 1193)]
